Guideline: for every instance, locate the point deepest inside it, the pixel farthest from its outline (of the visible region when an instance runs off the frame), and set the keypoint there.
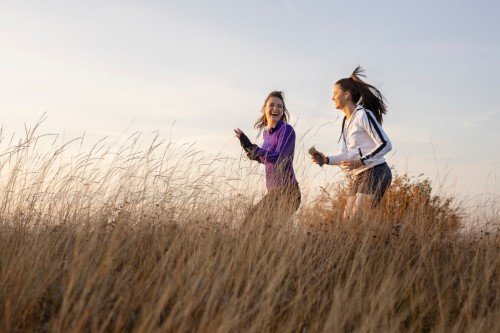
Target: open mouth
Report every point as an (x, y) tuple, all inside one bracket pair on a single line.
[(275, 114)]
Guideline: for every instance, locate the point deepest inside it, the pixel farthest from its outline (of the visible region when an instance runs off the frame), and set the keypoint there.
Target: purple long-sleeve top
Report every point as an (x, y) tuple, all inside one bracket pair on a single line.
[(277, 155)]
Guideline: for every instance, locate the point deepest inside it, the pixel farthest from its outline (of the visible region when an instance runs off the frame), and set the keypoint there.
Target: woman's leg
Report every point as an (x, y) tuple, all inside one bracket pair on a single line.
[(259, 211), (362, 202), (290, 201), (350, 205), (276, 205)]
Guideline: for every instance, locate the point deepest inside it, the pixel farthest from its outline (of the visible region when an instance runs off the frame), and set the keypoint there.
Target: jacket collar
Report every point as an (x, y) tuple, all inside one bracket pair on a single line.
[(276, 127), (358, 107)]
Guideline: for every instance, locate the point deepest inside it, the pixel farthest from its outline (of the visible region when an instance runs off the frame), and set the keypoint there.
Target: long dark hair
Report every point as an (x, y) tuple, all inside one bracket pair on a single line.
[(364, 93), (262, 121)]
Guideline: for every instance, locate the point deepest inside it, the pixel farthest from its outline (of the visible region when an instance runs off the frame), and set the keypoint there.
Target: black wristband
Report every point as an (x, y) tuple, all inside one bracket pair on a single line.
[(252, 152)]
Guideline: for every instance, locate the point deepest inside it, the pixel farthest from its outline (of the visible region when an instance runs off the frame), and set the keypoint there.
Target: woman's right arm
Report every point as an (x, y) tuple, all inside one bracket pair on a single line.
[(338, 157), (334, 159)]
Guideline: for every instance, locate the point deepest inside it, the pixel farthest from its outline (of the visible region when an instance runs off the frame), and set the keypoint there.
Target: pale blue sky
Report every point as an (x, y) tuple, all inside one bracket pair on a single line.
[(108, 67)]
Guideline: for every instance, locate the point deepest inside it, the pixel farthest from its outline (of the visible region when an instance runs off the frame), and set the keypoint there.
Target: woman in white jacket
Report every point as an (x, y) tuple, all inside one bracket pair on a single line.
[(364, 142)]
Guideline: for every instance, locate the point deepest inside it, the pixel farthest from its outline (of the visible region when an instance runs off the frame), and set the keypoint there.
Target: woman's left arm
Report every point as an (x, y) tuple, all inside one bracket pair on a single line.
[(382, 142)]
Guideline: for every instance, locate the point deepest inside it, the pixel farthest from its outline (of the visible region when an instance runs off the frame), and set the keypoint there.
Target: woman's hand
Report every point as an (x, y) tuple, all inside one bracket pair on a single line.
[(351, 164), (247, 145), (238, 132), (244, 140)]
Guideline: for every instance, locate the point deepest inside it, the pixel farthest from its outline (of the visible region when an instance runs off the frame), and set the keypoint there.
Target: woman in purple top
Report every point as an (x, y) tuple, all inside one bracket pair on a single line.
[(276, 153)]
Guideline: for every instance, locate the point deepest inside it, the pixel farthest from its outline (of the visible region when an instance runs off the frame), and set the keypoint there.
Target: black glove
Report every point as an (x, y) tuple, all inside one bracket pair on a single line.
[(246, 143)]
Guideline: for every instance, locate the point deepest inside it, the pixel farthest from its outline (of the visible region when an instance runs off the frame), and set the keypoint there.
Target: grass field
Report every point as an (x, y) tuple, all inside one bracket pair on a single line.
[(134, 239)]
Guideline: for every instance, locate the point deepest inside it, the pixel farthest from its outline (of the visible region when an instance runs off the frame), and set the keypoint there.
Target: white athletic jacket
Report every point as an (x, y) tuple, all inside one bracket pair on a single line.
[(364, 138)]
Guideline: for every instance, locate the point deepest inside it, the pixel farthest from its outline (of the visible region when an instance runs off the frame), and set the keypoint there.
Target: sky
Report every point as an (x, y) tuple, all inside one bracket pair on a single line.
[(195, 70)]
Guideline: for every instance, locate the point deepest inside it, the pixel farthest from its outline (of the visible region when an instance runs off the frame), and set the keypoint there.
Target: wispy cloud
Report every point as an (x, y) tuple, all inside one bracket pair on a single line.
[(478, 119)]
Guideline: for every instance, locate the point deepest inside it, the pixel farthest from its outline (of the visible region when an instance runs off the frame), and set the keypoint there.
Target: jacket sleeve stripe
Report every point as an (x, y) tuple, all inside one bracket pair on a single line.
[(381, 136)]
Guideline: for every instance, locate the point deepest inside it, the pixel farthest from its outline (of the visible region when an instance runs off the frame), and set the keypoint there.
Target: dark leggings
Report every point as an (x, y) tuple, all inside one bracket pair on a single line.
[(276, 205)]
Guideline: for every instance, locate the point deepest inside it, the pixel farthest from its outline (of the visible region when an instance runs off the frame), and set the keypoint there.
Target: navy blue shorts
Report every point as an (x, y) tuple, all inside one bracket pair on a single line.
[(373, 181)]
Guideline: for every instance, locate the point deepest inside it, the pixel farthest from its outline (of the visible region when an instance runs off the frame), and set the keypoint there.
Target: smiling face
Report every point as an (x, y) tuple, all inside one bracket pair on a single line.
[(340, 97), (273, 110)]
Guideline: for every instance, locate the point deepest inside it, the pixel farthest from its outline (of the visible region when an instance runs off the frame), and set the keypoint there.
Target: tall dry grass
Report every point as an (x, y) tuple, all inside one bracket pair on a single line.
[(145, 237)]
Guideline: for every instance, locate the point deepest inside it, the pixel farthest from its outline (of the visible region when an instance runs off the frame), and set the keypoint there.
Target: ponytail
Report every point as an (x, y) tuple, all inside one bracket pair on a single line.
[(364, 93)]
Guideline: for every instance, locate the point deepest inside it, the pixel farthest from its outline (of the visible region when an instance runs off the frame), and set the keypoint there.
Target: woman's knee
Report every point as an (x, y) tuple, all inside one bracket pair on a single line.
[(357, 204)]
